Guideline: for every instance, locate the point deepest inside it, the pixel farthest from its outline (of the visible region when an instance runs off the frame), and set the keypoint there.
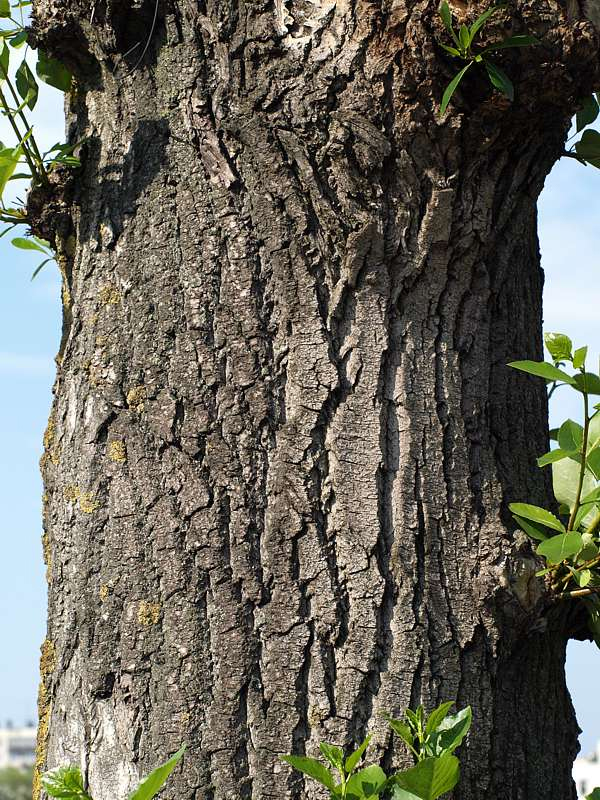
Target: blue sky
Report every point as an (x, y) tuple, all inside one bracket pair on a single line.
[(29, 336)]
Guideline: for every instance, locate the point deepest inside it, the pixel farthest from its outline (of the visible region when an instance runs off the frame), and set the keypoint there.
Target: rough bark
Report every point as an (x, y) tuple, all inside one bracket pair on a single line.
[(284, 435)]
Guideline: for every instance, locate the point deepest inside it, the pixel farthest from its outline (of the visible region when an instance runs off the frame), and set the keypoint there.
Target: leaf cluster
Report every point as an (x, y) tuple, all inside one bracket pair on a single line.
[(587, 149), (570, 540), (18, 97), (66, 783), (462, 47), (431, 739)]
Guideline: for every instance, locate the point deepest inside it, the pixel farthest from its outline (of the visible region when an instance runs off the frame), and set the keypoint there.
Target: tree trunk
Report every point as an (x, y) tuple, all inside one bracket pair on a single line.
[(284, 434)]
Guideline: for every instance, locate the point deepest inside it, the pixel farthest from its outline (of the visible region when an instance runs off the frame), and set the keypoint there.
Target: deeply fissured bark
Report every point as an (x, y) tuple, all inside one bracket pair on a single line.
[(284, 434)]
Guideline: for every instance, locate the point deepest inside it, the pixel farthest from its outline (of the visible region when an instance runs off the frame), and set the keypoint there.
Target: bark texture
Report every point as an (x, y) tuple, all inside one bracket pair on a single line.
[(284, 435)]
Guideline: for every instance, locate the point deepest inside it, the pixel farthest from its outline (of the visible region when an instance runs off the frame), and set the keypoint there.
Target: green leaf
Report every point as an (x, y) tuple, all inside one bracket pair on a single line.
[(464, 38), (65, 783), (401, 794), (451, 731), (565, 479), (480, 21), (570, 436), (594, 432), (588, 147), (312, 768), (542, 369), (585, 576), (593, 463), (401, 729), (365, 783), (19, 39), (28, 244), (430, 778), (452, 50), (333, 754), (53, 72), (558, 548), (559, 346), (591, 497), (446, 16), (152, 785), (451, 88), (520, 40), (355, 757), (589, 549), (587, 113), (500, 79), (5, 8), (4, 61), (542, 572), (9, 160), (595, 795), (413, 717), (587, 382), (40, 267), (437, 716), (27, 85), (553, 456), (530, 528), (579, 357), (585, 514), (537, 514)]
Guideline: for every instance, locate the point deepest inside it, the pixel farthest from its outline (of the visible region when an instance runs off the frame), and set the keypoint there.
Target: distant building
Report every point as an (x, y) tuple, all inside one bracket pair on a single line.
[(17, 747), (586, 773)]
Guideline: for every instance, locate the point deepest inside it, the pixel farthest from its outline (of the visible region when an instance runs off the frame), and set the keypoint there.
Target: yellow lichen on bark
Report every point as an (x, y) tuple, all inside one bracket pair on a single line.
[(87, 503), (50, 449), (109, 295), (136, 398), (47, 667), (148, 613), (116, 451), (71, 493)]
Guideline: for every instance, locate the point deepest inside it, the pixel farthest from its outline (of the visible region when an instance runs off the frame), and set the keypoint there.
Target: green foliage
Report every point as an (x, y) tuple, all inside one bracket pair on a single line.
[(569, 542), (19, 96), (431, 740), (463, 49), (587, 149), (66, 783), (15, 784), (152, 785)]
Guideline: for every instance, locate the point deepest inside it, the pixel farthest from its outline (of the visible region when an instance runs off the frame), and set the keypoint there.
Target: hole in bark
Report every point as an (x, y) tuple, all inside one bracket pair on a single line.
[(138, 31)]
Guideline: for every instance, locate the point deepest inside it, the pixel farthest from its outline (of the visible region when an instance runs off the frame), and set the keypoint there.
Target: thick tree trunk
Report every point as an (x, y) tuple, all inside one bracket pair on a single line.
[(284, 434)]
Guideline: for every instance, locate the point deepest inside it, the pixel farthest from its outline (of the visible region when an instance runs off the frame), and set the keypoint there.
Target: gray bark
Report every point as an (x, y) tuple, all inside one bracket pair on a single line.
[(284, 435)]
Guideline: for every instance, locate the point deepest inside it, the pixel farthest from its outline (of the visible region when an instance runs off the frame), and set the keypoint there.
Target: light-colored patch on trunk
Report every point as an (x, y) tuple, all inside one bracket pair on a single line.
[(299, 21)]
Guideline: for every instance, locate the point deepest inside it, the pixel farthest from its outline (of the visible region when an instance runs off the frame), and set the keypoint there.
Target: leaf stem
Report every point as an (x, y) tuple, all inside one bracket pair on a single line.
[(586, 430), (578, 593), (594, 525), (36, 152), (15, 128)]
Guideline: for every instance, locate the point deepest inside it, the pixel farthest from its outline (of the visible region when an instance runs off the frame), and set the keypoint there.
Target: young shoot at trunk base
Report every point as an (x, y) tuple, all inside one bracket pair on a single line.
[(66, 783), (432, 741)]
